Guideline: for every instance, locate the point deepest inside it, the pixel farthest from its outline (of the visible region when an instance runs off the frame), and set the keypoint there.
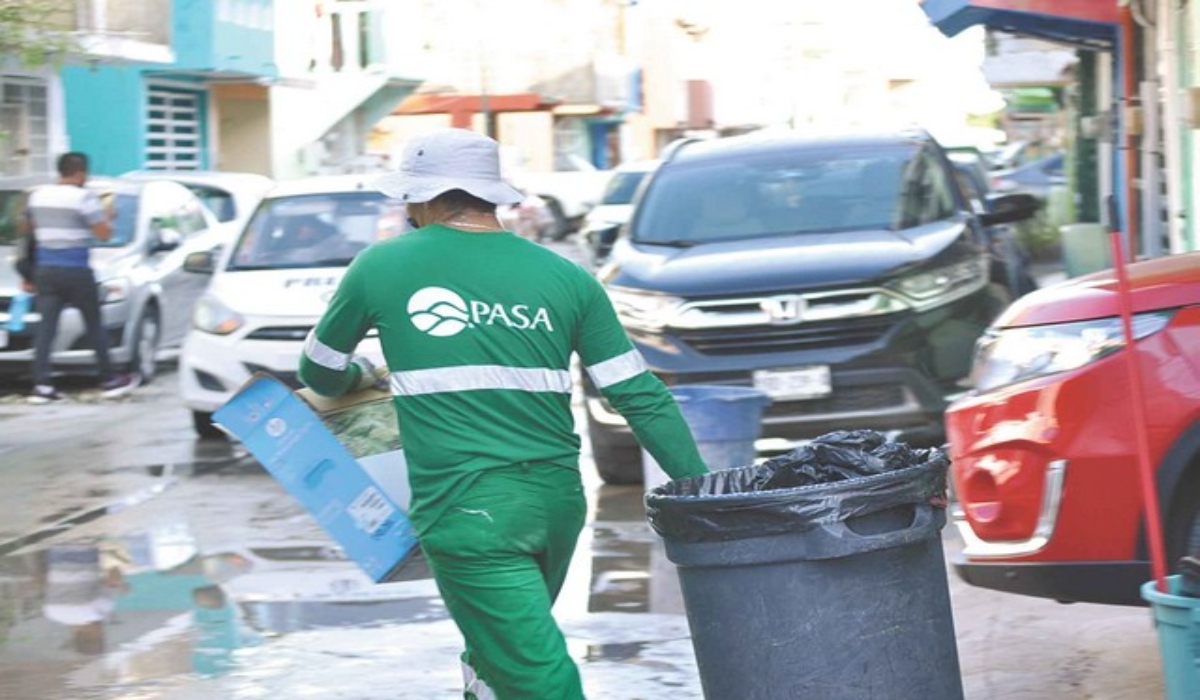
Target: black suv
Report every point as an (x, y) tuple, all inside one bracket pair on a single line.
[(846, 277)]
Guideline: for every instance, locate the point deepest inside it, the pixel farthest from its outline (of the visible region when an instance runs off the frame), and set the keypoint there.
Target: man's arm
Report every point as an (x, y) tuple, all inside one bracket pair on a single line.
[(102, 231), (26, 248), (328, 365), (619, 372), (98, 217)]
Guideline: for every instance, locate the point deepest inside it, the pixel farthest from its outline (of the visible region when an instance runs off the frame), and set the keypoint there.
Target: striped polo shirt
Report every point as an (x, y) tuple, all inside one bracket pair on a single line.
[(62, 217)]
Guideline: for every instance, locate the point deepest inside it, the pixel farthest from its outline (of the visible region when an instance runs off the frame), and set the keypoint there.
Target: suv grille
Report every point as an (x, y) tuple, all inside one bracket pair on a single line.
[(812, 335), (850, 399)]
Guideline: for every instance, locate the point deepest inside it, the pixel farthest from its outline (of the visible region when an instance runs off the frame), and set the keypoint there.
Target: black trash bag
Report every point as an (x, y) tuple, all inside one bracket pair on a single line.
[(838, 476)]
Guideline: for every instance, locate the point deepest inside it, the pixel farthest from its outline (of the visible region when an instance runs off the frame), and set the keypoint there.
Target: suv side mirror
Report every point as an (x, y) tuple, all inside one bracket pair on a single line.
[(201, 262), (1009, 208), (600, 240)]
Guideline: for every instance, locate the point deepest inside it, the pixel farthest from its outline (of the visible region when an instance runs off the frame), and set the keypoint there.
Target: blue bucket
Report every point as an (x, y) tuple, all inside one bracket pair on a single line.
[(725, 421), (1177, 619)]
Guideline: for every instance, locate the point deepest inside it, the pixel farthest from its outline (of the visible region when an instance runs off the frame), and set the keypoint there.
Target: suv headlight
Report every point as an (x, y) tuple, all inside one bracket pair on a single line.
[(115, 290), (644, 310), (942, 285), (212, 316), (1013, 355)]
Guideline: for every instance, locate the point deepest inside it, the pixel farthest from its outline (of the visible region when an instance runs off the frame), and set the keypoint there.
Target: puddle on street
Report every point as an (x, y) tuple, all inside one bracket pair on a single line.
[(84, 616)]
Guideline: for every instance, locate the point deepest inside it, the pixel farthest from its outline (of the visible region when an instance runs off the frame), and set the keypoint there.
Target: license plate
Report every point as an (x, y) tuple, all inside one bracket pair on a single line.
[(798, 383), (3, 338)]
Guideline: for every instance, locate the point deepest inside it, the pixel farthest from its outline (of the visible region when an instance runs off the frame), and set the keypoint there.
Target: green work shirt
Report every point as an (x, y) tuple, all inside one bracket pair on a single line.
[(478, 330)]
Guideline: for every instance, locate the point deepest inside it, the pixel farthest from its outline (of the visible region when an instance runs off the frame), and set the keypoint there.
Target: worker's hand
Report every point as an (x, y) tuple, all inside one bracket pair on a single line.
[(370, 378), (27, 286)]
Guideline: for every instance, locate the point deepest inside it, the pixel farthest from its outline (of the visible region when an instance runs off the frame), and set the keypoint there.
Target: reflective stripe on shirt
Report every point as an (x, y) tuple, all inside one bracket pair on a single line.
[(324, 355), (475, 377), (617, 369)]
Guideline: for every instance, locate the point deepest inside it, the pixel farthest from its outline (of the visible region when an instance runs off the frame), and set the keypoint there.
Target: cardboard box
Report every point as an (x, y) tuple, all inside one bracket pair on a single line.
[(293, 443)]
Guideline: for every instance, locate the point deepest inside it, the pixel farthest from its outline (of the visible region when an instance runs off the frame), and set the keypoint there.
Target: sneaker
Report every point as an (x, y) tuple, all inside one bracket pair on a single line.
[(119, 385), (44, 393)]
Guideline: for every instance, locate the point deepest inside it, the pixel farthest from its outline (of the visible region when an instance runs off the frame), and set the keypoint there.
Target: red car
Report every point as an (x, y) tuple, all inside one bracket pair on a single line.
[(1045, 461)]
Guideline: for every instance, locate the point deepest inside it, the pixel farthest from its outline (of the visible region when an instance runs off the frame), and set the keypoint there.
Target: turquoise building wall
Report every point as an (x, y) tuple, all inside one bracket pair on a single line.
[(105, 110), (106, 106), (237, 39)]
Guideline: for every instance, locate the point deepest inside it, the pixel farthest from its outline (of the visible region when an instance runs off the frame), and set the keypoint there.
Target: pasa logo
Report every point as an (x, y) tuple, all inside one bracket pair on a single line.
[(438, 312), (441, 313)]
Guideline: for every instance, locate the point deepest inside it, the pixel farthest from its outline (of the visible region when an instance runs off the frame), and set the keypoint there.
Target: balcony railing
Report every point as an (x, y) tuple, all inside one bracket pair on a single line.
[(147, 21)]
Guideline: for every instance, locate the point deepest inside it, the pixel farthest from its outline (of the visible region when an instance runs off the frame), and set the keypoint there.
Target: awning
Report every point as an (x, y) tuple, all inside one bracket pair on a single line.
[(1086, 23), (463, 108), (433, 103)]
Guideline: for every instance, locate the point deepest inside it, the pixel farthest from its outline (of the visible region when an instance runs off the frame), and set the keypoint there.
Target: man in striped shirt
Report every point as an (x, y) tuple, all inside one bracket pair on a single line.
[(64, 219), (478, 327)]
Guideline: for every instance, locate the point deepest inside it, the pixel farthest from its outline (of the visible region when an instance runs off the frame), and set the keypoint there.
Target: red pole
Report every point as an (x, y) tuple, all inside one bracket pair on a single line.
[(1158, 556)]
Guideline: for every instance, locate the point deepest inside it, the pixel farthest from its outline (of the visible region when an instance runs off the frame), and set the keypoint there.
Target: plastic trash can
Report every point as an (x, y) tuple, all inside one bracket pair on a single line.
[(1177, 620), (817, 574), (725, 421)]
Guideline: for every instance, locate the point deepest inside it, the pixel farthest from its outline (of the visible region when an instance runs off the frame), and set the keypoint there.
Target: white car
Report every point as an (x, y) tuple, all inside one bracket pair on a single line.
[(230, 196), (271, 286), (613, 211), (146, 296)]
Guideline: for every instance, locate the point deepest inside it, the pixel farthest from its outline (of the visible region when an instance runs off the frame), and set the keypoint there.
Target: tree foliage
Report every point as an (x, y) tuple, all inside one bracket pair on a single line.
[(37, 32)]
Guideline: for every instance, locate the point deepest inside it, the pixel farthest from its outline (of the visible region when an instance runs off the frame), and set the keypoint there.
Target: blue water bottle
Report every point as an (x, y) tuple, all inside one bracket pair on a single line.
[(17, 308)]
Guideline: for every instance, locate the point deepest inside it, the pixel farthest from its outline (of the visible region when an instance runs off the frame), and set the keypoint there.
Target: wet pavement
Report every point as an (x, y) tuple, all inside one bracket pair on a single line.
[(228, 589)]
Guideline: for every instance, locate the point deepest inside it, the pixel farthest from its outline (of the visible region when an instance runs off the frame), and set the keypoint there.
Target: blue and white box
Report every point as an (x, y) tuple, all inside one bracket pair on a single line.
[(292, 443)]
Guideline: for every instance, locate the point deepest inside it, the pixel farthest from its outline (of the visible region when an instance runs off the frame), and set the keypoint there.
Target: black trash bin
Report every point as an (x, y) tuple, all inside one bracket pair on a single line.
[(818, 574)]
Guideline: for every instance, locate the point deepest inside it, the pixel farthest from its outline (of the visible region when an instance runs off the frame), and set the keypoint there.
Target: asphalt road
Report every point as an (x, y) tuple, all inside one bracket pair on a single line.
[(297, 620)]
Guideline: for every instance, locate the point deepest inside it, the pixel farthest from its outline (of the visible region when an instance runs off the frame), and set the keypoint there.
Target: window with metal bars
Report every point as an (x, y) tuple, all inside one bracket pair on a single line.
[(24, 127), (174, 129)]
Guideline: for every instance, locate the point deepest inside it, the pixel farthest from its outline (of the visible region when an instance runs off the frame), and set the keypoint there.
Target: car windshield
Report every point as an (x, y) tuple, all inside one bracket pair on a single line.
[(122, 209), (622, 187), (219, 202), (787, 192), (317, 230)]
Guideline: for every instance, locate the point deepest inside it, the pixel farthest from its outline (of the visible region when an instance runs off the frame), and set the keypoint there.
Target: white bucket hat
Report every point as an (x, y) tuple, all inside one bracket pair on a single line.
[(449, 159)]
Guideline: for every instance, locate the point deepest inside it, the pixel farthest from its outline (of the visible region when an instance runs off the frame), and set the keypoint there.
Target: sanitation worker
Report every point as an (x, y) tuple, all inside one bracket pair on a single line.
[(478, 327)]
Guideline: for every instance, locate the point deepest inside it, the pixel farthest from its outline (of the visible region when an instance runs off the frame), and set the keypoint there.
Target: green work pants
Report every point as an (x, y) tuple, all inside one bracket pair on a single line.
[(500, 555)]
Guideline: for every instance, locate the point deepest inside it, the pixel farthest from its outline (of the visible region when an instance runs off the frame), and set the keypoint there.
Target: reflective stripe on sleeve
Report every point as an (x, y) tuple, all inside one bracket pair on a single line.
[(324, 355), (617, 369), (475, 377)]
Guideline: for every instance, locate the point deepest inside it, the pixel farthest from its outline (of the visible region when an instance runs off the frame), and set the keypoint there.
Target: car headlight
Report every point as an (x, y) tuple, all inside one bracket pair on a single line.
[(1013, 355), (212, 316), (942, 285), (644, 310), (115, 290)]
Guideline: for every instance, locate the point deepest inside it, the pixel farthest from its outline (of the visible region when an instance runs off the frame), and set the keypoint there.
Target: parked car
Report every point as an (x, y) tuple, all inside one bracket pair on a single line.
[(1037, 177), (146, 295), (602, 223), (847, 278), (569, 191), (230, 196), (269, 289), (530, 218), (1010, 260), (1045, 457), (1011, 155)]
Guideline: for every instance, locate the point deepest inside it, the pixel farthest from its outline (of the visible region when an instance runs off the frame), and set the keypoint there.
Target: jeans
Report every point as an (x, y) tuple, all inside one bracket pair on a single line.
[(58, 288)]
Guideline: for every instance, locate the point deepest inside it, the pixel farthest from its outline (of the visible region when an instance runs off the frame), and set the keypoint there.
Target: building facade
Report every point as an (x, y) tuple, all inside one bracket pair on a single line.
[(284, 88), (1136, 100)]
